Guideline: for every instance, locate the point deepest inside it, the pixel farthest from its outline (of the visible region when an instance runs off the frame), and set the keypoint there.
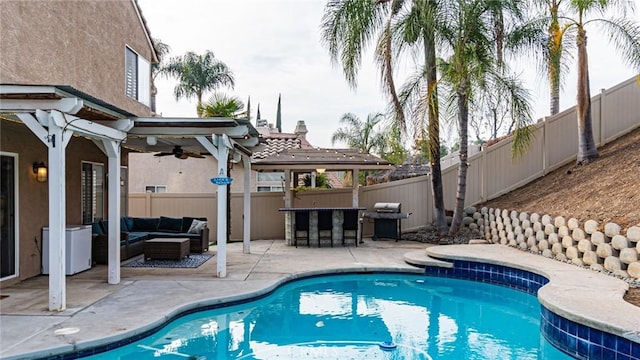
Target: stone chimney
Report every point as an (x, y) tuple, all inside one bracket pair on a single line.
[(301, 129)]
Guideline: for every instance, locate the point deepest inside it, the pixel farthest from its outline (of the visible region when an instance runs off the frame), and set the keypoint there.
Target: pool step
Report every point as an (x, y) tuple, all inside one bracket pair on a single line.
[(421, 259)]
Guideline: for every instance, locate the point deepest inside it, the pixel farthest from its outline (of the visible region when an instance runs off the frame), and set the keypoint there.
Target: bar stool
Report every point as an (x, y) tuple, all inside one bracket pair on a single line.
[(350, 224), (301, 228), (325, 223)]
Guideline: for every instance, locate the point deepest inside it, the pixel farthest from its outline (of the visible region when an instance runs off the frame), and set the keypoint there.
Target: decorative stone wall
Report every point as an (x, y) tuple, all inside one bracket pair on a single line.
[(590, 245)]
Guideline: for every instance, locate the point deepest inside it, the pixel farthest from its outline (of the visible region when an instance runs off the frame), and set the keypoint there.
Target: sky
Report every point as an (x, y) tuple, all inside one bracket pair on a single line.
[(273, 47)]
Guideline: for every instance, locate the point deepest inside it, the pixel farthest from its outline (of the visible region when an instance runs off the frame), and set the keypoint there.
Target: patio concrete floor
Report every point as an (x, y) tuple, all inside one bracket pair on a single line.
[(99, 313)]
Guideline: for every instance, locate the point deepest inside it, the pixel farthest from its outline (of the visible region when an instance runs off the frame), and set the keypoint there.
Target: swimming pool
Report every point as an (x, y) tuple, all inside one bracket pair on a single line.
[(359, 316)]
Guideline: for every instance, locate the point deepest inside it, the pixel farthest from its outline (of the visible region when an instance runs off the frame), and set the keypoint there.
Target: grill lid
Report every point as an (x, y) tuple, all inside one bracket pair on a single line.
[(387, 207)]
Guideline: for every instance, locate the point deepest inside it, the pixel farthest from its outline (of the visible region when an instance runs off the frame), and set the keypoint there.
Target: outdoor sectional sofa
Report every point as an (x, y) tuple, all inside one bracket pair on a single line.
[(134, 231)]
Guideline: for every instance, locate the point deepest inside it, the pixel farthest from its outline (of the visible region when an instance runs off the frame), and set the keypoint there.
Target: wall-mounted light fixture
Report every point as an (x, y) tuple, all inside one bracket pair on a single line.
[(320, 171), (41, 171)]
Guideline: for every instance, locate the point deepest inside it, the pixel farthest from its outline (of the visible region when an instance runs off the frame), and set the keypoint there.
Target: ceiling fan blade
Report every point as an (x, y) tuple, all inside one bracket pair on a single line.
[(195, 155), (181, 156), (163, 154)]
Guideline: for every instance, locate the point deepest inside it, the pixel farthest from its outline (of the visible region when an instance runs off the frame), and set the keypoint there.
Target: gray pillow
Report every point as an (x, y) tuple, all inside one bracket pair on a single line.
[(196, 226)]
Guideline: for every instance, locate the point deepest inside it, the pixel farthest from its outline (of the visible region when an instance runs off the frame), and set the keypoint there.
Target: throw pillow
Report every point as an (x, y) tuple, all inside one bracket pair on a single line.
[(196, 226), (170, 224)]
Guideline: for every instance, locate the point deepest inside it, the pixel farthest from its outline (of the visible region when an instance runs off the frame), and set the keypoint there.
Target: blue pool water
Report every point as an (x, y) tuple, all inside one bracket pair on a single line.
[(351, 316)]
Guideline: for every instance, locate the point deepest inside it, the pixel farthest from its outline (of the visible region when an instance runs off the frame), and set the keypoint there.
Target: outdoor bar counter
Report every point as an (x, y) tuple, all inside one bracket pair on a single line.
[(322, 226)]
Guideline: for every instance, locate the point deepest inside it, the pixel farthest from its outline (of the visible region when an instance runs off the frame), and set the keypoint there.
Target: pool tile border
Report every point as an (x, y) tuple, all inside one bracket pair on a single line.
[(577, 340)]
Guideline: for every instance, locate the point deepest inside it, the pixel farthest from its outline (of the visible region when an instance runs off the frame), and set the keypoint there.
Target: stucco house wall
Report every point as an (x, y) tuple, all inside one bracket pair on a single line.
[(80, 44), (63, 43)]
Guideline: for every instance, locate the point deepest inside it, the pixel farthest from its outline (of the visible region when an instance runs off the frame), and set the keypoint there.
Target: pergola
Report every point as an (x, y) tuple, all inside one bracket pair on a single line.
[(56, 113), (319, 160)]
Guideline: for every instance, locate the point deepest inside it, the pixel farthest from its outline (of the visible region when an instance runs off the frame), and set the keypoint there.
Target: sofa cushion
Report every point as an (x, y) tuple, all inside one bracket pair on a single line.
[(129, 222), (170, 224), (172, 235), (104, 224), (145, 224), (123, 225), (96, 229), (196, 226), (137, 236), (186, 223)]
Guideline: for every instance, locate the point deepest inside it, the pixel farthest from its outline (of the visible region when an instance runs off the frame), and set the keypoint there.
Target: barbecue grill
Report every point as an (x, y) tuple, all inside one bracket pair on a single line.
[(386, 220)]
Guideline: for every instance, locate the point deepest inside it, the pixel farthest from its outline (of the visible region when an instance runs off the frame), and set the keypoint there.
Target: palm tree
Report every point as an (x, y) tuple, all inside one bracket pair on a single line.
[(349, 25), (625, 35), (198, 74), (360, 135), (222, 105), (473, 64), (162, 50)]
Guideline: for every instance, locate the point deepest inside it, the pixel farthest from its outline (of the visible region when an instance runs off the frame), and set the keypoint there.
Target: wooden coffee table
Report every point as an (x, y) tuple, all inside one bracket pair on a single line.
[(166, 248)]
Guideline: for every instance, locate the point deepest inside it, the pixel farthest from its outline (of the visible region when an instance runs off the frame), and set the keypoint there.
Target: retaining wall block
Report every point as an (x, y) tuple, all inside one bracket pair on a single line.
[(523, 246), (510, 242), (549, 229), (518, 230), (621, 273), (611, 229), (546, 219), (596, 267), (494, 231), (492, 217), (573, 223), (528, 232), (577, 262), (477, 216), (540, 235), (560, 257), (534, 249), (573, 253), (520, 238), (633, 233), (628, 255), (590, 226), (590, 258), (567, 241), (502, 234), (578, 234), (537, 226), (487, 222), (525, 224), (515, 222), (553, 238), (467, 220), (604, 250), (547, 253), (585, 245), (634, 269), (620, 242), (470, 210), (534, 217), (484, 210), (557, 248), (513, 214), (505, 214), (523, 216), (511, 236), (531, 241), (563, 231), (612, 263), (543, 245), (473, 226), (492, 211), (559, 221), (598, 238), (496, 239)]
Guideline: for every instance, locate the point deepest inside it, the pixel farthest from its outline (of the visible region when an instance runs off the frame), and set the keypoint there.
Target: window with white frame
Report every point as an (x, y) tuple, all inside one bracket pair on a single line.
[(92, 192), (137, 77), (155, 188)]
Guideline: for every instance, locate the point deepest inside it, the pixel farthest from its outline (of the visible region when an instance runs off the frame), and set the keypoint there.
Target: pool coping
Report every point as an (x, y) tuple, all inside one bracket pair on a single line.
[(580, 307)]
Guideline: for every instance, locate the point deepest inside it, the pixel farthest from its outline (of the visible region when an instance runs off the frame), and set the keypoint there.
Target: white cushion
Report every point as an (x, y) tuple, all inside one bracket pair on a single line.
[(196, 226)]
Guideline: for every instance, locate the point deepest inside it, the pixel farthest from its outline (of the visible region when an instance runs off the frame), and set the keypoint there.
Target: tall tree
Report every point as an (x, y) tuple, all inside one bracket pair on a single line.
[(162, 50), (279, 116), (360, 135), (623, 32), (473, 64), (197, 74), (221, 105), (258, 114), (348, 26)]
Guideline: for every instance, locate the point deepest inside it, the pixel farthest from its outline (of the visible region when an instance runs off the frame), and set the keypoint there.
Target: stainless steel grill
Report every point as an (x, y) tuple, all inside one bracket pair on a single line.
[(386, 220)]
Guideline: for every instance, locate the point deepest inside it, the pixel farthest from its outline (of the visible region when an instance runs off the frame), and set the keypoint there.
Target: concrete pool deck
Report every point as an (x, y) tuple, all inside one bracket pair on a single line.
[(99, 313)]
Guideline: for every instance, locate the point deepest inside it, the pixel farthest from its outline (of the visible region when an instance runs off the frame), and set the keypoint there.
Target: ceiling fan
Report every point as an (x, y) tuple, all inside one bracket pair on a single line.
[(179, 153)]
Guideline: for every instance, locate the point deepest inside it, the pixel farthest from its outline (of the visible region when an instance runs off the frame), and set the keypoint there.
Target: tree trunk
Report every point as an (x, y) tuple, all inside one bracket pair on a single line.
[(463, 119), (587, 150), (434, 135), (555, 53)]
